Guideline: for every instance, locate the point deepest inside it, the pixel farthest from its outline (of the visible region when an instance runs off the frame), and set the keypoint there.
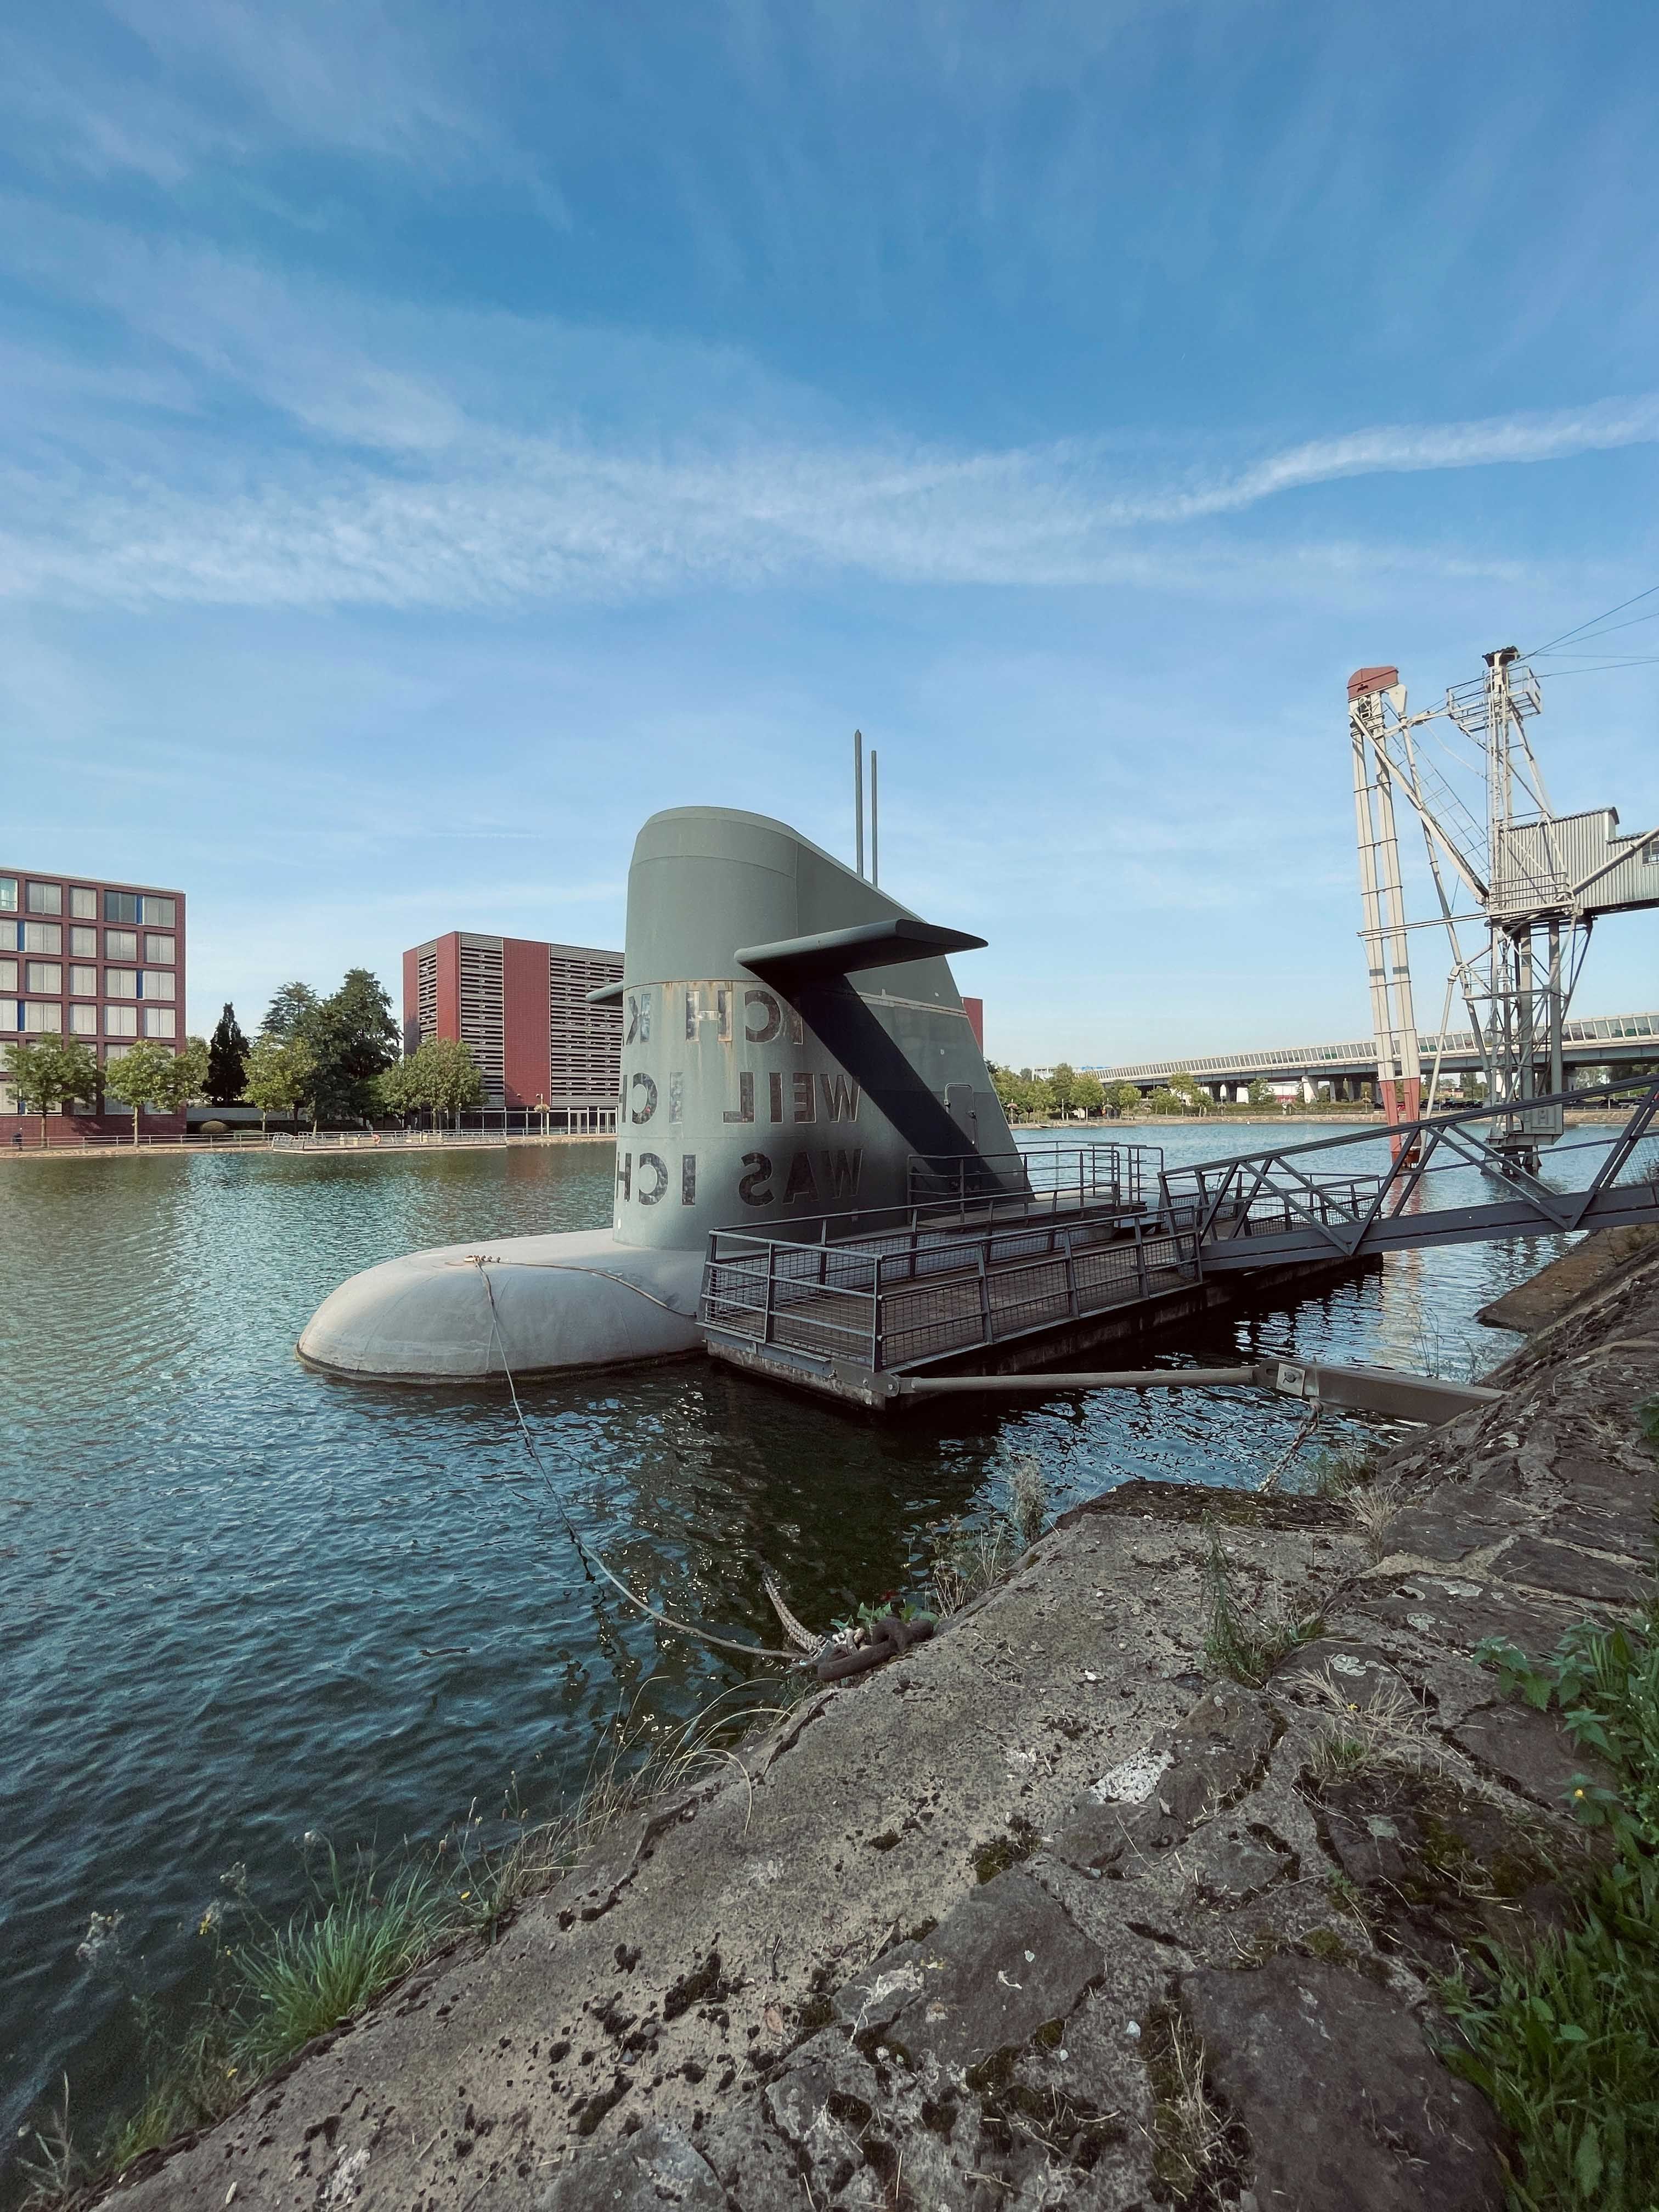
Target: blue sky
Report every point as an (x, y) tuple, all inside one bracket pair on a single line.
[(437, 436)]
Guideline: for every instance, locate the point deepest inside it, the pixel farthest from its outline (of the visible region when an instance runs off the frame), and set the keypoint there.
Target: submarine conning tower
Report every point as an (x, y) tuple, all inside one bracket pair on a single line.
[(791, 1037)]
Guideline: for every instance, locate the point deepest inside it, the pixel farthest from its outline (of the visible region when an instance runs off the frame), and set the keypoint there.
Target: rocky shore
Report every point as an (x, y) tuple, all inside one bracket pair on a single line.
[(1131, 1887)]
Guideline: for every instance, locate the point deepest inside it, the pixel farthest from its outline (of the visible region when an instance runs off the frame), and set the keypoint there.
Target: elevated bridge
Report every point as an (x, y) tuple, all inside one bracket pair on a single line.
[(1105, 1239), (1620, 1043)]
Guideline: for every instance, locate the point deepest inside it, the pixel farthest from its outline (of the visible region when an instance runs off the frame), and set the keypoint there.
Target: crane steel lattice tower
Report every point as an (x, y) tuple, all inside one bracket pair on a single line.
[(1537, 880)]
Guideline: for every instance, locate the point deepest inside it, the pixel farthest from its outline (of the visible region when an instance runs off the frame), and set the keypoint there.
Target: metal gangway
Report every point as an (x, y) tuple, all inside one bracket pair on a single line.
[(1028, 1246)]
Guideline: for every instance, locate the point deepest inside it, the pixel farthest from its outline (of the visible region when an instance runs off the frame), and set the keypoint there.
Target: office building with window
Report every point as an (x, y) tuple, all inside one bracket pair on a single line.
[(104, 962), (522, 1006)]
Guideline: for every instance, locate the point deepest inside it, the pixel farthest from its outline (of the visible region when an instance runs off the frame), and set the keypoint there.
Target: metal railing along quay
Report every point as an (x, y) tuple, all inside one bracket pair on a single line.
[(969, 1264)]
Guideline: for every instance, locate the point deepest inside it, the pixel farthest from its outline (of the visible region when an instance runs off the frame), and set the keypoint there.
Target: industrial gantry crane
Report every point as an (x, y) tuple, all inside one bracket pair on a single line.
[(1518, 887)]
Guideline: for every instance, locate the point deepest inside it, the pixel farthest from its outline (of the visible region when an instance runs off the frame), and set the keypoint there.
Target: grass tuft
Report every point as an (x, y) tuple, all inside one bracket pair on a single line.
[(1242, 1641), (970, 1558), (1387, 1729), (363, 1933), (1189, 2136)]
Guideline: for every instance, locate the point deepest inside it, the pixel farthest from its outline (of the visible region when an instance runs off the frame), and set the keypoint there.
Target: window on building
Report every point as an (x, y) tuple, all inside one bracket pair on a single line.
[(121, 1021), (121, 906), (158, 983), (158, 911), (83, 1021), (8, 894), (120, 944), (8, 975), (159, 951), (8, 1098), (11, 936), (42, 1017), (121, 982), (45, 898), (83, 902), (84, 983), (114, 1051), (43, 936), (8, 1016), (160, 1022), (44, 976), (83, 943)]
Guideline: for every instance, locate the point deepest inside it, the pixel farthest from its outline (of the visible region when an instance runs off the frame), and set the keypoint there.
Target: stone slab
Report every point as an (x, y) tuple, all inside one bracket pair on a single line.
[(1527, 1749), (1555, 1290), (1537, 1564), (1460, 1613), (656, 2166), (1344, 2102), (1005, 1961), (1453, 1520)]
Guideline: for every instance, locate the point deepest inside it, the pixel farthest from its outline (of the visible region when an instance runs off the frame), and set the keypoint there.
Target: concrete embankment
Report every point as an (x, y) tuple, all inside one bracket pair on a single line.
[(963, 1933)]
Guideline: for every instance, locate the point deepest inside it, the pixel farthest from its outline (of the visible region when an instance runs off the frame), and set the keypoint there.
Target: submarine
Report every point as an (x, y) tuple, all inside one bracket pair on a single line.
[(792, 1039)]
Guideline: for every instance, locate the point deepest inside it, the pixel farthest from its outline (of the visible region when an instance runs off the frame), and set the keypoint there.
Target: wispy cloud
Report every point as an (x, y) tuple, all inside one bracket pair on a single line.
[(494, 518), (1406, 448)]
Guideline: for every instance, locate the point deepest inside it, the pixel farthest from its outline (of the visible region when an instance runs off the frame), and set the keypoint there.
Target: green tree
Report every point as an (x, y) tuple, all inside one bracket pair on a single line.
[(1261, 1092), (141, 1077), (280, 1075), (354, 1038), (226, 1059), (1164, 1100), (1091, 1094), (395, 1090), (1062, 1087), (1012, 1091), (185, 1079), (289, 1011), (1126, 1097), (54, 1071), (447, 1078)]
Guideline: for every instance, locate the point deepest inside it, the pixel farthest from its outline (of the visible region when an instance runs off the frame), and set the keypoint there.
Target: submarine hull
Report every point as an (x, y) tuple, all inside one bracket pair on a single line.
[(568, 1302)]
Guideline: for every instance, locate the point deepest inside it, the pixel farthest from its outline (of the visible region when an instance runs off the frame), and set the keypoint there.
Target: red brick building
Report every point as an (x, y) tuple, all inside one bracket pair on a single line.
[(522, 1006), (100, 961)]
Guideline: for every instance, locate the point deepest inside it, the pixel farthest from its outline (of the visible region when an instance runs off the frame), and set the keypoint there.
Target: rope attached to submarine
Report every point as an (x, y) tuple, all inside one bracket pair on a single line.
[(834, 1658)]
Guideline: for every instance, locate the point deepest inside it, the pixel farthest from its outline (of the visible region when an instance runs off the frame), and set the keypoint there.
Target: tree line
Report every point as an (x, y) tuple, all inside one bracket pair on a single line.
[(340, 1059), (333, 1059), (1062, 1094)]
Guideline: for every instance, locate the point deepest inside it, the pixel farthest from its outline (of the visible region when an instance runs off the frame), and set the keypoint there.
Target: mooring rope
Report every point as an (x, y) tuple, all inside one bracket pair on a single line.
[(569, 1267), (589, 1558), (1270, 1480)]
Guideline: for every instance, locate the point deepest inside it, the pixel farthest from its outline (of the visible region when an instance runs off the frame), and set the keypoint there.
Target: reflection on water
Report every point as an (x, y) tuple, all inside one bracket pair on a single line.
[(239, 1601)]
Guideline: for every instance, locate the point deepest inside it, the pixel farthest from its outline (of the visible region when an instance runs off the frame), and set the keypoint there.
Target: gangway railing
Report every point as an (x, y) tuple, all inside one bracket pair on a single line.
[(1117, 1173), (1280, 1207), (918, 1293)]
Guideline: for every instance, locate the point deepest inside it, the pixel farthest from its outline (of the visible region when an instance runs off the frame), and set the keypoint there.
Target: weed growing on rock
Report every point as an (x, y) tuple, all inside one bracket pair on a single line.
[(1371, 1507), (1563, 2037), (1243, 1641), (53, 2168), (1387, 1728), (1191, 2153), (364, 1931), (1335, 1473), (970, 1558)]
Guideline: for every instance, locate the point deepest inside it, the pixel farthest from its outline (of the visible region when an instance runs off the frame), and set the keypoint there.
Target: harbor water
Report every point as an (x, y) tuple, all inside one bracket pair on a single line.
[(242, 1603)]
